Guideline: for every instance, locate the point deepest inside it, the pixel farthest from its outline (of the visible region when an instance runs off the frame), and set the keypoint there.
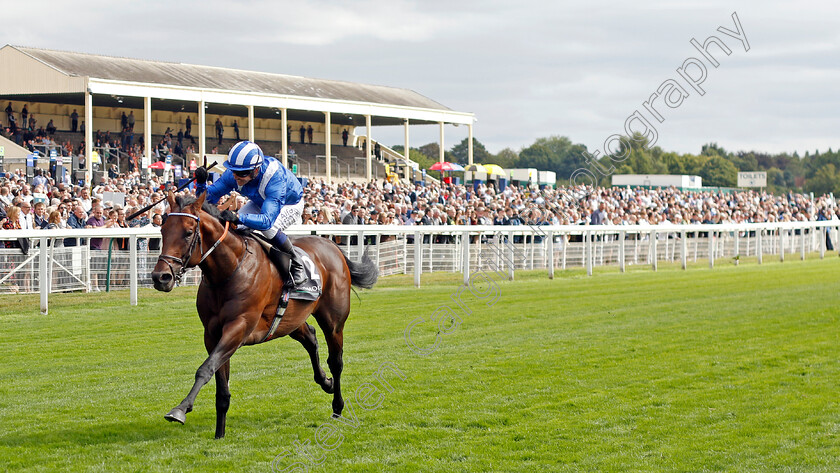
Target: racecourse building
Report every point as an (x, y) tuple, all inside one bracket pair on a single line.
[(280, 112)]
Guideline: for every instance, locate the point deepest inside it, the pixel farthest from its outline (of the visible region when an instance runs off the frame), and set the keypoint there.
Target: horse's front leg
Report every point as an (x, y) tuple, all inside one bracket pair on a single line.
[(233, 334)]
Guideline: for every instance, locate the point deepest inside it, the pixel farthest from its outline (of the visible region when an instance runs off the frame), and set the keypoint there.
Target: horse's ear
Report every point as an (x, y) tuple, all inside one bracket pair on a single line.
[(170, 197), (199, 202)]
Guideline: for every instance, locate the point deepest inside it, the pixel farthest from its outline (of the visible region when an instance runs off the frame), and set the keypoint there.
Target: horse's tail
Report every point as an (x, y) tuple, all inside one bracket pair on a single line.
[(363, 273)]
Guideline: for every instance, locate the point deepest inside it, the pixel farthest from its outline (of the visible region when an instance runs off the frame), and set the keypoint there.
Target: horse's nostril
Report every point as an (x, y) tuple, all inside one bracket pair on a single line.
[(165, 278)]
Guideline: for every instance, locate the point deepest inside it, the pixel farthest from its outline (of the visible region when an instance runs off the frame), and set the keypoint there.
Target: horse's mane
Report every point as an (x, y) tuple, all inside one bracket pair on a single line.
[(184, 201)]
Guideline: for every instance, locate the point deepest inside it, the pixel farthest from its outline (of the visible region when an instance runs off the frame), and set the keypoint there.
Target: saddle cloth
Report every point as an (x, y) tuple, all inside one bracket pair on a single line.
[(309, 290)]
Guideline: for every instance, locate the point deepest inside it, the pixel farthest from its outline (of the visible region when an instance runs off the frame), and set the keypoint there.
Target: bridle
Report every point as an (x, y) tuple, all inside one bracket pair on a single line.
[(195, 241)]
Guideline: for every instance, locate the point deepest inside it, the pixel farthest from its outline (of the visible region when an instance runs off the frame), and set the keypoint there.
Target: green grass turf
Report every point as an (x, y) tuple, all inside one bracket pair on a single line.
[(731, 369)]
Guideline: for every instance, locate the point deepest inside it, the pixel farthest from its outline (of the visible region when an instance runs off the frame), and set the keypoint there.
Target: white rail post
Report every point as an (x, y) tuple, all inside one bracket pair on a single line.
[(621, 235), (737, 255), (44, 275), (418, 258), (759, 249), (589, 257), (465, 255), (822, 233), (802, 244), (550, 244), (360, 242), (565, 239), (711, 250), (132, 269), (511, 256), (684, 249), (782, 245), (653, 249)]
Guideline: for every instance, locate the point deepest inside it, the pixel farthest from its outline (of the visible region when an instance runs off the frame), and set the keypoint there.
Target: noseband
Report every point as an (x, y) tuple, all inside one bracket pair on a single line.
[(168, 259)]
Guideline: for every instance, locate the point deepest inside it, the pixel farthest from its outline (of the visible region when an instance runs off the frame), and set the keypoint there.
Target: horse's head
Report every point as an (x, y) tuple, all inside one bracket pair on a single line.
[(181, 237)]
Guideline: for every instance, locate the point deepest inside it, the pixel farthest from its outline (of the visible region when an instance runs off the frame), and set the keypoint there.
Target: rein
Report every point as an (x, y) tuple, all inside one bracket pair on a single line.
[(191, 248)]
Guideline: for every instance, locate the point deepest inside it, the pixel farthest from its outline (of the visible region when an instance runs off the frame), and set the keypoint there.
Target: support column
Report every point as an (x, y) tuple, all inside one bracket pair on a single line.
[(147, 136), (328, 146), (88, 140), (407, 153), (251, 124), (368, 146), (470, 144), (284, 122), (441, 153), (202, 130)]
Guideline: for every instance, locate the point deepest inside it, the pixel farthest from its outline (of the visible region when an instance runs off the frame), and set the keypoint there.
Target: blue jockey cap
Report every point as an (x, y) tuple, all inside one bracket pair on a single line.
[(244, 156)]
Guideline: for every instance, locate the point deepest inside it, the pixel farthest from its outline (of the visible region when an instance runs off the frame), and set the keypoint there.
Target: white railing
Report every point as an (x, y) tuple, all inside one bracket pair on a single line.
[(51, 267)]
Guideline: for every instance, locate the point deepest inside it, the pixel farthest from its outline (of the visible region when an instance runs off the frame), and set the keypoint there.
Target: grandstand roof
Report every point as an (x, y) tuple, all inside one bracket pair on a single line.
[(53, 72)]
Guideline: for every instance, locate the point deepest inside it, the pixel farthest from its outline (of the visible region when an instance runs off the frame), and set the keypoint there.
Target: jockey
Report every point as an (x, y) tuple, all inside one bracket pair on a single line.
[(276, 199)]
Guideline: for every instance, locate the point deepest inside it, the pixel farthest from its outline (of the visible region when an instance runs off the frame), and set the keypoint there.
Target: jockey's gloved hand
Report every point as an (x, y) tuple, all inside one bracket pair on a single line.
[(201, 175), (230, 216)]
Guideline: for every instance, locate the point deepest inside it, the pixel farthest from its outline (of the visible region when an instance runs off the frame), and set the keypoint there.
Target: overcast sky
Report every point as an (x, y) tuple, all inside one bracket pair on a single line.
[(526, 69)]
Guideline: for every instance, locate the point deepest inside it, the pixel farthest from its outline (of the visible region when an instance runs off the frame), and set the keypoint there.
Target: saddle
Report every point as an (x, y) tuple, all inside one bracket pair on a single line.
[(309, 290)]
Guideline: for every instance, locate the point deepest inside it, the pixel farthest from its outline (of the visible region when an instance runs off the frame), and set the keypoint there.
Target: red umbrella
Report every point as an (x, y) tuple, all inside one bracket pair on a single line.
[(158, 165), (446, 166)]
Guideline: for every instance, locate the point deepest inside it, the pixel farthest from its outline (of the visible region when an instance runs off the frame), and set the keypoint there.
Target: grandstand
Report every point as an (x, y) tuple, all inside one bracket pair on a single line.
[(270, 109)]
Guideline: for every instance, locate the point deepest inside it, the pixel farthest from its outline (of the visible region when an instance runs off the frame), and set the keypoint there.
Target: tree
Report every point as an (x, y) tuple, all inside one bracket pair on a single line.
[(718, 172), (507, 158), (432, 150), (555, 153), (460, 152), (825, 180)]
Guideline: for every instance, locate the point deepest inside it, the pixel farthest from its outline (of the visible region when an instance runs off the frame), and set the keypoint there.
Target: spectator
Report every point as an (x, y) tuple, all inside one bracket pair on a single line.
[(25, 218), (51, 127), (302, 133), (77, 220), (39, 217), (344, 135), (309, 133), (235, 130), (74, 121), (12, 222), (96, 219), (220, 130), (188, 125), (131, 120)]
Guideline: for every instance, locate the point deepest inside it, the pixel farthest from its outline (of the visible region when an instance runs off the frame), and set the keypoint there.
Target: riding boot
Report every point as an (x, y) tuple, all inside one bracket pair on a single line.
[(297, 274)]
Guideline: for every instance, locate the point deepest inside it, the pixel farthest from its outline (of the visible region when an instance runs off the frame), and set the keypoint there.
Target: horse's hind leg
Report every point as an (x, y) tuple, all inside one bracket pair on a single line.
[(305, 334), (335, 343), (222, 398)]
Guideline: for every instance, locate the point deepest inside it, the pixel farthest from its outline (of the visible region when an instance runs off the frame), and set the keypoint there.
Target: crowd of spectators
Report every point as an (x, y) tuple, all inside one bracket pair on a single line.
[(43, 203)]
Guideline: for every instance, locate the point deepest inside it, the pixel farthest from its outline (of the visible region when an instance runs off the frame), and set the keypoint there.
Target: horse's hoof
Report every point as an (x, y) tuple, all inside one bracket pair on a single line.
[(176, 415), (336, 416)]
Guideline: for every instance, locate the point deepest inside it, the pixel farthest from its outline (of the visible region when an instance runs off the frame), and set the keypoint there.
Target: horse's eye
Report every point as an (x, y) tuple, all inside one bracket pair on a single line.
[(188, 233)]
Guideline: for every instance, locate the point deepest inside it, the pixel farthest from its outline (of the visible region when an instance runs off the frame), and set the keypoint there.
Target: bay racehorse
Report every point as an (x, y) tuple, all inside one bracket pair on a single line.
[(239, 295)]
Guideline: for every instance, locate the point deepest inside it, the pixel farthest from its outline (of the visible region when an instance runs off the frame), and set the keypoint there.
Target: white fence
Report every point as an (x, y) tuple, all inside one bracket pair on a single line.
[(51, 267)]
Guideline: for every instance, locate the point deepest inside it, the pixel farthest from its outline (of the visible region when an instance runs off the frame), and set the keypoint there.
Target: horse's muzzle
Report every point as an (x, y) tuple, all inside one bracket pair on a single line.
[(163, 280)]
